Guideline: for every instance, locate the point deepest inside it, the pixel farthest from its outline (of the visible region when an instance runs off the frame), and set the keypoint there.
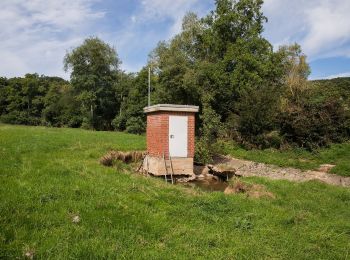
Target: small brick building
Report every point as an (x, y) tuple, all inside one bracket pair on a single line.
[(170, 139)]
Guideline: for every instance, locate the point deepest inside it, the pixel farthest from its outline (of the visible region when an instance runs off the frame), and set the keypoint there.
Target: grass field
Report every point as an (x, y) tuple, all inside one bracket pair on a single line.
[(338, 154), (48, 176)]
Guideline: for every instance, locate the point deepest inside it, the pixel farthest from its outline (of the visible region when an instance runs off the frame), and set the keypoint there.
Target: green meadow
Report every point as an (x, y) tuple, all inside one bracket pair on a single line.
[(51, 176)]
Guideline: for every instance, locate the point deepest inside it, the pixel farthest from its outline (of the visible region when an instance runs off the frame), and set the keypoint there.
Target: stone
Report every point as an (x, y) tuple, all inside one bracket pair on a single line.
[(200, 170)]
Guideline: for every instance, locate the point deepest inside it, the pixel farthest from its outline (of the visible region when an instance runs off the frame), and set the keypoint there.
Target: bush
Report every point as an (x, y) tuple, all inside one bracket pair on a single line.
[(257, 117), (135, 125), (20, 118), (231, 126), (211, 129), (13, 118), (74, 121), (87, 124), (272, 139), (311, 125), (119, 123), (203, 152)]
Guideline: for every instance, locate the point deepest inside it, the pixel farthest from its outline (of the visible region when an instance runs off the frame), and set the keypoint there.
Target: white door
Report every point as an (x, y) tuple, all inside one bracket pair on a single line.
[(178, 136)]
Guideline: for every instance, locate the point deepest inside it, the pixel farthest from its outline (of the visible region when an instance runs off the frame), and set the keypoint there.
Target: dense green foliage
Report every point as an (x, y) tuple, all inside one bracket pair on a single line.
[(222, 63), (312, 124), (246, 91), (50, 175), (94, 67), (131, 117), (35, 100)]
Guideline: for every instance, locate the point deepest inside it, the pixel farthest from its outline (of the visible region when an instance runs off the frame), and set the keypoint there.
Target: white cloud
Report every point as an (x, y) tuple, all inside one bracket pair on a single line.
[(322, 27), (329, 27), (152, 15), (339, 75), (35, 34), (167, 9)]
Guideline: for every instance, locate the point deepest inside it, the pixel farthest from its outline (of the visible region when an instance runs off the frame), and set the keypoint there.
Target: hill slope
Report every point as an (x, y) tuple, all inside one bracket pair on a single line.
[(50, 178), (337, 87)]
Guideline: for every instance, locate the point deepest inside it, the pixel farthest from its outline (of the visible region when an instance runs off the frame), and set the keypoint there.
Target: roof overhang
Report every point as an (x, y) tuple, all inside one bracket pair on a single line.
[(171, 108)]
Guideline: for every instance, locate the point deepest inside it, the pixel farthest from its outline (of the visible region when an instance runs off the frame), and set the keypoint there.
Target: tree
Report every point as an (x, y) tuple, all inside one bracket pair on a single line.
[(94, 69), (131, 117), (296, 69), (224, 57), (61, 107), (312, 114), (23, 98), (3, 95), (175, 65)]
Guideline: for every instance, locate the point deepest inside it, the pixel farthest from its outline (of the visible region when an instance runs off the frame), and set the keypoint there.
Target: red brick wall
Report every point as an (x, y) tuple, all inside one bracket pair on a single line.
[(158, 133), (191, 135)]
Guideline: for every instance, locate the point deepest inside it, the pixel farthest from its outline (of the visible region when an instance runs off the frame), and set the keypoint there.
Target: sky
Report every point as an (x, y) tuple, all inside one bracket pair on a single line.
[(35, 35)]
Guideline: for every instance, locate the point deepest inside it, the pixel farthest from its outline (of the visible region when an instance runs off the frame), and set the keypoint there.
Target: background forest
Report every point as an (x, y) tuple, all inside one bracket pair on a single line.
[(247, 91)]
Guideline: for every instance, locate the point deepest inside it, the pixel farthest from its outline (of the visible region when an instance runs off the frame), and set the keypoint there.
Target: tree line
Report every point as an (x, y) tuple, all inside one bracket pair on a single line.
[(246, 90)]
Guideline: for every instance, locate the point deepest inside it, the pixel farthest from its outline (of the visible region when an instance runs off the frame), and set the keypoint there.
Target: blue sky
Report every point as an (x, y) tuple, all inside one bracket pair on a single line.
[(35, 34)]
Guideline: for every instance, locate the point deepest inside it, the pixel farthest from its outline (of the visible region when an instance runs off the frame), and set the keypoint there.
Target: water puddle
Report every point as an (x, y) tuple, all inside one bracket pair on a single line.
[(207, 185)]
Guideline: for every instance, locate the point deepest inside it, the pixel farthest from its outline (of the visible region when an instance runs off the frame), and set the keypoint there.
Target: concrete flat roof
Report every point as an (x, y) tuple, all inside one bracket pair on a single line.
[(171, 108)]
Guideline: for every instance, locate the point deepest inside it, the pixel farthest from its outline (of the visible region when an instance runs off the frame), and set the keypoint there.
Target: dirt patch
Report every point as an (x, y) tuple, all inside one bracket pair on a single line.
[(126, 157), (325, 167), (246, 168), (251, 190)]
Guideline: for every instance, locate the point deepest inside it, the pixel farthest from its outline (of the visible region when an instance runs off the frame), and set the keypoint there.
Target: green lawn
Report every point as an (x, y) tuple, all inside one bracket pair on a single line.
[(338, 154), (49, 175)]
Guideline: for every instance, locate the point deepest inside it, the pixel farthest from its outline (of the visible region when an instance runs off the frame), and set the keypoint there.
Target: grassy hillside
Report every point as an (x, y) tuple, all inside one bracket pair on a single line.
[(337, 87), (48, 176)]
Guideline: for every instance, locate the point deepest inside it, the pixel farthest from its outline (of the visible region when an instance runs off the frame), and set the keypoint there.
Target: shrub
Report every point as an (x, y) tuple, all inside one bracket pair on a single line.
[(86, 124), (311, 125), (135, 125), (119, 123), (211, 129), (203, 152), (20, 117), (272, 139), (74, 121), (258, 110)]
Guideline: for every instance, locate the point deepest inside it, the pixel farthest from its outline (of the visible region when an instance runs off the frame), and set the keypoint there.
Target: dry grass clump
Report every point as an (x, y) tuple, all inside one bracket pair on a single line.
[(251, 190), (126, 157), (257, 191)]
